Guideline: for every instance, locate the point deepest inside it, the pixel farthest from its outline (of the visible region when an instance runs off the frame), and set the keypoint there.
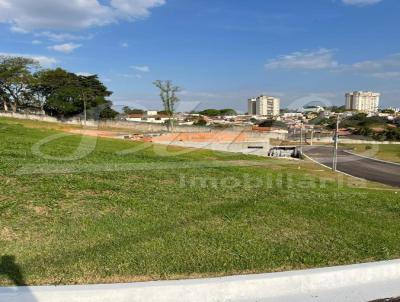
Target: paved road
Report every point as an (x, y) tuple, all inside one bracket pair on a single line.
[(361, 167)]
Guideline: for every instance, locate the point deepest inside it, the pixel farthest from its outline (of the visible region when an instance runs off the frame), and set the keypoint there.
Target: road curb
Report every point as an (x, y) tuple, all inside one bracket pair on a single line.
[(372, 158), (337, 171), (362, 282)]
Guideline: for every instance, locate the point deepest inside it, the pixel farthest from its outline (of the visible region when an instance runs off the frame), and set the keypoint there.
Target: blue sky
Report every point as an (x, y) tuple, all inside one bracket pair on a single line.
[(220, 52)]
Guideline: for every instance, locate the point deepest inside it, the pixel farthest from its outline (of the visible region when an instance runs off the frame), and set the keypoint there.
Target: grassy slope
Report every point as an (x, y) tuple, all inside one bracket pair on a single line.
[(384, 152), (141, 225)]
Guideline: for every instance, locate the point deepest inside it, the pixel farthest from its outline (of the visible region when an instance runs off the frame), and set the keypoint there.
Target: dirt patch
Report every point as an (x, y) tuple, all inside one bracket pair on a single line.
[(40, 210), (204, 137), (7, 234), (94, 132)]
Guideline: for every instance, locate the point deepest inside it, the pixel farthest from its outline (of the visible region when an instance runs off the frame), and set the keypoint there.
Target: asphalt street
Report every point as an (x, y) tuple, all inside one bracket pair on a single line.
[(366, 168)]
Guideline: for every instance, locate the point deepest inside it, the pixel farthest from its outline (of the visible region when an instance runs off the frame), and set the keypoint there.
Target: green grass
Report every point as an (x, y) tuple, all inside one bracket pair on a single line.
[(137, 224), (384, 152)]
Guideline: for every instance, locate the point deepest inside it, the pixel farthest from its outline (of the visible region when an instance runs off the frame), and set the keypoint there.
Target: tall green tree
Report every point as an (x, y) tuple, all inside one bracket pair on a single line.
[(39, 89), (68, 94), (169, 100), (93, 94), (61, 91), (15, 77), (55, 91)]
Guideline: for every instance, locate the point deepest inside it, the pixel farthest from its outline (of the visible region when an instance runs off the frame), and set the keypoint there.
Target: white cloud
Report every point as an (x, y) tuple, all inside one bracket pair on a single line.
[(141, 68), (84, 74), (319, 59), (387, 75), (43, 60), (361, 2), (60, 37), (18, 30), (125, 75), (31, 15), (388, 67), (65, 48), (36, 42), (385, 68)]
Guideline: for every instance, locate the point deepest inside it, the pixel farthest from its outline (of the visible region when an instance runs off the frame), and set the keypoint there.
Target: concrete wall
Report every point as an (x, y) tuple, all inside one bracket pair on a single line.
[(43, 118), (149, 127), (139, 126)]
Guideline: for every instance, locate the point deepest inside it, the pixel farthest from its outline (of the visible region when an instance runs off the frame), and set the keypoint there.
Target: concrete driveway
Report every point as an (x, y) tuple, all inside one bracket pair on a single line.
[(366, 168)]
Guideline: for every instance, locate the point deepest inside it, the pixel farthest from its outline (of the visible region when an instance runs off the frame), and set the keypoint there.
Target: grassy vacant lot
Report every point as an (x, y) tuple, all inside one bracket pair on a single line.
[(384, 152), (116, 216)]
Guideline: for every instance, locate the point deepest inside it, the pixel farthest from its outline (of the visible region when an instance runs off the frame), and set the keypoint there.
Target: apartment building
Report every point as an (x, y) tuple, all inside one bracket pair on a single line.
[(363, 101), (252, 106), (264, 106)]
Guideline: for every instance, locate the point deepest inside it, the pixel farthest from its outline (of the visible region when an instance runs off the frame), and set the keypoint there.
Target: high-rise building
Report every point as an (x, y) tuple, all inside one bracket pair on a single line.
[(264, 106), (362, 101), (252, 106)]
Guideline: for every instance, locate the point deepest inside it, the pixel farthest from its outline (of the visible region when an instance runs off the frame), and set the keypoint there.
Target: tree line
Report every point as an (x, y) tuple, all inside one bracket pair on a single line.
[(25, 86), (217, 112), (376, 127)]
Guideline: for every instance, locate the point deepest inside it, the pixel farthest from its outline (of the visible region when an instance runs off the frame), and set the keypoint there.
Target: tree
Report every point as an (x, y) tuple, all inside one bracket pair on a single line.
[(69, 94), (39, 89), (200, 122), (337, 109), (127, 110), (210, 112), (15, 77), (62, 93), (92, 92), (169, 99), (388, 111), (273, 123), (108, 112), (216, 112), (227, 112), (56, 92)]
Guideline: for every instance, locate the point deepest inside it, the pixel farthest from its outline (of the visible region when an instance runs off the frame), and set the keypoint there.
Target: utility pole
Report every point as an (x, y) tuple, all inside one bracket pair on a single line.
[(336, 144), (84, 110), (312, 137), (301, 138)]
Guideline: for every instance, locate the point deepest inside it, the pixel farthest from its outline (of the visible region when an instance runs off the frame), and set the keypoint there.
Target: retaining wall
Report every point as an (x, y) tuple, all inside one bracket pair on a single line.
[(139, 126)]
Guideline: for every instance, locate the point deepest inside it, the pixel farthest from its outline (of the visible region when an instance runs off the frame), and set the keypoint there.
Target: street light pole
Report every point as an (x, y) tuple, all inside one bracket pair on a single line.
[(336, 145), (301, 138), (84, 111)]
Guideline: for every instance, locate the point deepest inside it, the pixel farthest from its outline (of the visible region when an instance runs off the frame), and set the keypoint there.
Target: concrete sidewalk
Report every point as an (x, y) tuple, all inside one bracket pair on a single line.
[(358, 283)]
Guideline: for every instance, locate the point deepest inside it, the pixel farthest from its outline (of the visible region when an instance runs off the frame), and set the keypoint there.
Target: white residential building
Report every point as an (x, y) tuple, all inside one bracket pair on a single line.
[(312, 109), (151, 112), (396, 110), (363, 101), (264, 106), (252, 108)]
